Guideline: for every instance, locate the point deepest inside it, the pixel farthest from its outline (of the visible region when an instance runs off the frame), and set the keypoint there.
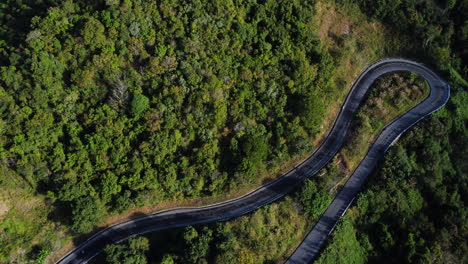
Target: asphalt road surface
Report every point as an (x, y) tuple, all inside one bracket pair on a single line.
[(276, 189)]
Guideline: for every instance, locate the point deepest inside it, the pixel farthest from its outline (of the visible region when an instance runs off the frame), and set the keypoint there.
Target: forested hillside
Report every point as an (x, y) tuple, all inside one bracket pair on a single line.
[(110, 104), (413, 209), (269, 234)]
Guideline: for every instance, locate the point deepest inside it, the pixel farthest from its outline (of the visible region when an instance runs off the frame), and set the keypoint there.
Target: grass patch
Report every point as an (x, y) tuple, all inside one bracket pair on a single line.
[(26, 231)]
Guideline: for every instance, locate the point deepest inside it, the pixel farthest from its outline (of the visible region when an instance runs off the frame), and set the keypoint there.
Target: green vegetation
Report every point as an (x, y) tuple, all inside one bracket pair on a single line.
[(139, 104), (131, 251), (392, 95), (271, 233), (264, 236), (438, 28), (111, 105), (413, 209), (347, 249), (314, 200)]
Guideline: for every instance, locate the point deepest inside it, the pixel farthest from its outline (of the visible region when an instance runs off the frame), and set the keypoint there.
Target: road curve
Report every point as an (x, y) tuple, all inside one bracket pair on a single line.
[(276, 189), (309, 249)]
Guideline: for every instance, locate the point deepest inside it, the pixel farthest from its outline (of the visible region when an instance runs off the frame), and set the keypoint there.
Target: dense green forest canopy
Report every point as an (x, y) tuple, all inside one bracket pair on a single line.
[(104, 103), (108, 104), (413, 209)]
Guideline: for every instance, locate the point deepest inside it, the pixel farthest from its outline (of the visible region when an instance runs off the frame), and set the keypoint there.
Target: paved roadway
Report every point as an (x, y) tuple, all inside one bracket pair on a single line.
[(276, 189)]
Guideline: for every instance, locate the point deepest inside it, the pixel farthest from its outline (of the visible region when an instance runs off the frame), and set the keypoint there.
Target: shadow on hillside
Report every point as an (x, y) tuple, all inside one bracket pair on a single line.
[(60, 214)]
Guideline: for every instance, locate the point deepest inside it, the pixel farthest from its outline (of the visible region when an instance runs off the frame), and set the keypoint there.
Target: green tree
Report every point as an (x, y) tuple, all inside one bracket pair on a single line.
[(131, 251), (93, 33), (254, 146), (167, 259), (315, 200), (87, 212), (312, 112), (198, 244), (139, 104)]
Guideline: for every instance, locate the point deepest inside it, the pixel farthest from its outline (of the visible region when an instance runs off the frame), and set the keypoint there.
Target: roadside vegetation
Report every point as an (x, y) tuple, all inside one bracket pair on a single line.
[(414, 207), (393, 95), (271, 233)]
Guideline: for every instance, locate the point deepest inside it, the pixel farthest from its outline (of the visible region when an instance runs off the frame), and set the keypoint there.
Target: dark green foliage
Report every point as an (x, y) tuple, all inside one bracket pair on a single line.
[(438, 27), (413, 210), (129, 252), (315, 200), (135, 101), (139, 104), (261, 237), (197, 244), (312, 112), (38, 254), (86, 213), (254, 150), (346, 250)]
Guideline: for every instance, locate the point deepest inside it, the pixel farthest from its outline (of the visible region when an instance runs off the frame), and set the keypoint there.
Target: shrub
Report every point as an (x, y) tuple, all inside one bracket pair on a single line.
[(139, 104)]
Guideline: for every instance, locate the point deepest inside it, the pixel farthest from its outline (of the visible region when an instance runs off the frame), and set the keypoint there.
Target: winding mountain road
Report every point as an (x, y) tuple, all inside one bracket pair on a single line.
[(309, 248)]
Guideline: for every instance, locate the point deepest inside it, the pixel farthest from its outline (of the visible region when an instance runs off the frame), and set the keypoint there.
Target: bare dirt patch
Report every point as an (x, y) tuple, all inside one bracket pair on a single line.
[(4, 208), (331, 23)]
